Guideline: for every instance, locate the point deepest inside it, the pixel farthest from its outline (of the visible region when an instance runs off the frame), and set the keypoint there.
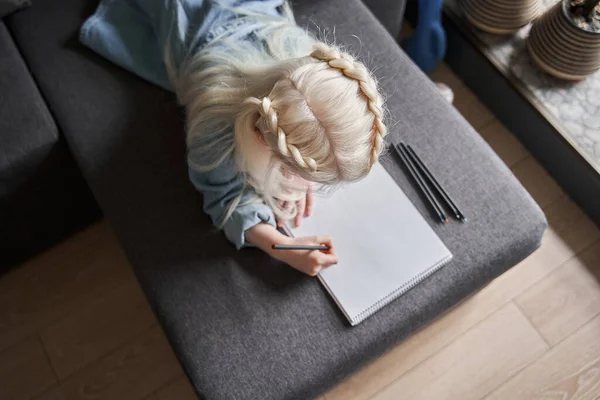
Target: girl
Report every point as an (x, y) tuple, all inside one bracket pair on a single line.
[(271, 111)]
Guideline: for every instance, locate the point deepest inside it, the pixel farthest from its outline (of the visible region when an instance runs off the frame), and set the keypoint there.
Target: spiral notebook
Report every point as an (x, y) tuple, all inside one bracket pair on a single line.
[(385, 246)]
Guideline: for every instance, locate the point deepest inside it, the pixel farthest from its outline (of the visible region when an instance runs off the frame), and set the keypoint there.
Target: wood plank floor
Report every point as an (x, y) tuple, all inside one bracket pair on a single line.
[(74, 324)]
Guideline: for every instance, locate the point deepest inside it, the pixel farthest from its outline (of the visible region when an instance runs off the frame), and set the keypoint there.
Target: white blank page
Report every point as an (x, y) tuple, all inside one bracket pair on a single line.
[(384, 245)]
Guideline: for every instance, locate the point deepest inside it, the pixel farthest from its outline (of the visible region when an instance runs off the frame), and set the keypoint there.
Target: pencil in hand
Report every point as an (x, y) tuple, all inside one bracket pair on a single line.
[(320, 247)]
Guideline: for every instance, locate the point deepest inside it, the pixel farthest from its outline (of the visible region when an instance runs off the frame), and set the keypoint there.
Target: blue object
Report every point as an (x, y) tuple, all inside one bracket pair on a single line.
[(427, 46), (134, 33)]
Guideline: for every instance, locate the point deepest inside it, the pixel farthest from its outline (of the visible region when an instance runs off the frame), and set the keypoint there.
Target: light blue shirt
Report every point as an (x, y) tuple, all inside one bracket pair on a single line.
[(133, 34)]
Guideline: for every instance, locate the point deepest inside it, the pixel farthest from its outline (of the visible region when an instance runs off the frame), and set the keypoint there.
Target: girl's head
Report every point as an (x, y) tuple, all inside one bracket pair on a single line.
[(299, 108), (321, 121)]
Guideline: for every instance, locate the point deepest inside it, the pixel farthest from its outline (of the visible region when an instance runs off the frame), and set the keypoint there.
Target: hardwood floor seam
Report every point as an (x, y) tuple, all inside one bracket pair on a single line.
[(531, 322), (99, 357), (515, 165), (151, 395), (442, 348), (497, 388), (574, 256), (517, 372), (74, 311), (108, 354), (39, 338), (575, 331), (584, 381), (486, 125)]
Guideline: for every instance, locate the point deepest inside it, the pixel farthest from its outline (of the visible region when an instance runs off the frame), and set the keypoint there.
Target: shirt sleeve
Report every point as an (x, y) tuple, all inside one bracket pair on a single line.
[(222, 186)]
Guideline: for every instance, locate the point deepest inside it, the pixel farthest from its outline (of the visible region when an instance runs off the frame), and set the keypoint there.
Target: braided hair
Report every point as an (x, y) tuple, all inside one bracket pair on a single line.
[(357, 71), (351, 69), (317, 109), (322, 120)]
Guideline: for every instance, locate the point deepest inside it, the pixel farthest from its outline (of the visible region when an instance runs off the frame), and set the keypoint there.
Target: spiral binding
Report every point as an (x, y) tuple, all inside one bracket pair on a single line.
[(398, 292)]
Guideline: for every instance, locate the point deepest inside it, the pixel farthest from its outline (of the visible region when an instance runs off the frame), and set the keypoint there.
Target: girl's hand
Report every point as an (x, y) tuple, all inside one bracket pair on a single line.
[(304, 208), (311, 262)]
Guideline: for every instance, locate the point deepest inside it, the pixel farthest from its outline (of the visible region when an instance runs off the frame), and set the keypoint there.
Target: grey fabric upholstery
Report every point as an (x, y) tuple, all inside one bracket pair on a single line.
[(43, 196), (245, 326), (28, 131), (389, 13), (10, 6)]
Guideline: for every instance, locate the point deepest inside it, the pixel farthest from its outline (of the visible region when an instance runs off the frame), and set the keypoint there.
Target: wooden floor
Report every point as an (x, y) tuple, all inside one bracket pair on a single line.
[(75, 325)]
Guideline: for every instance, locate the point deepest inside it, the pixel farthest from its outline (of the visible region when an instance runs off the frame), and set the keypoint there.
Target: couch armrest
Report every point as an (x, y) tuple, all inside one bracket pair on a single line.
[(389, 12)]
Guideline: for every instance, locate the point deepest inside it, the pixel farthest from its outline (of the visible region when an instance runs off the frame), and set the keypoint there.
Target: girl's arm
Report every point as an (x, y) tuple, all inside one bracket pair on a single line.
[(252, 222), (222, 187)]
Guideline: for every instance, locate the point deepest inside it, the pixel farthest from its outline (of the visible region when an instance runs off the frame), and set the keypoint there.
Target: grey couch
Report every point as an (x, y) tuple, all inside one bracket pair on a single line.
[(243, 325)]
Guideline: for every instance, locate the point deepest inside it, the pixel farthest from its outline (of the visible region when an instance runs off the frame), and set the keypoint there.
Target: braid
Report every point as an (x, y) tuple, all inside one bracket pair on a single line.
[(269, 114), (357, 71)]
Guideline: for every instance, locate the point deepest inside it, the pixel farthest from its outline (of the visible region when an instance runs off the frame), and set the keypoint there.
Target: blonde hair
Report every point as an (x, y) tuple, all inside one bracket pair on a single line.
[(317, 109)]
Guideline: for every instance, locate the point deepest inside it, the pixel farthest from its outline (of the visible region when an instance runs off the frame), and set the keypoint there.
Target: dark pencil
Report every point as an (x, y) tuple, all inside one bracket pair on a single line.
[(415, 174), (321, 247), (459, 215)]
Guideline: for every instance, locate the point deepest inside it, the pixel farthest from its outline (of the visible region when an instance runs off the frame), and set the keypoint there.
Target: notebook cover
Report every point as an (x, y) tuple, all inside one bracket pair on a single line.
[(385, 246)]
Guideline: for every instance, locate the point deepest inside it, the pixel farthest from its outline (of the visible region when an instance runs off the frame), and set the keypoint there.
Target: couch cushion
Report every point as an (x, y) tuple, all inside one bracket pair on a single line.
[(27, 131), (10, 6), (243, 325)]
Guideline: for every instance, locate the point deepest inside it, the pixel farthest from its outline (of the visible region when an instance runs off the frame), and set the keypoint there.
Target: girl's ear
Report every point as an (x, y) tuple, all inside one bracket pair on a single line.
[(260, 136)]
